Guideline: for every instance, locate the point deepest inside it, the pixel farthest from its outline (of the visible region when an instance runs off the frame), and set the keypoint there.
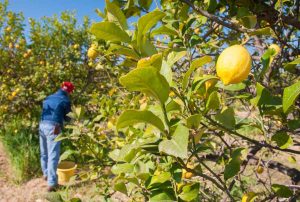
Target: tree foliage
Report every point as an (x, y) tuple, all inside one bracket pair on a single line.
[(157, 59)]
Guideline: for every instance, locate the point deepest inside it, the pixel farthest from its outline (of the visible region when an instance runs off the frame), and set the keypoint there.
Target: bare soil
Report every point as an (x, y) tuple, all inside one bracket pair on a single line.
[(9, 191), (35, 189)]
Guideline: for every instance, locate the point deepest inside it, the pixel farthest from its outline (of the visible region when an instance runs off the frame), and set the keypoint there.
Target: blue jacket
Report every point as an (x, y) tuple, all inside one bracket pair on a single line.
[(56, 107)]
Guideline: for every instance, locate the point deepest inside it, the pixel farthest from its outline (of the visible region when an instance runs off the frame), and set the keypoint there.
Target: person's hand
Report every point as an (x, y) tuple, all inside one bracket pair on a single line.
[(56, 130)]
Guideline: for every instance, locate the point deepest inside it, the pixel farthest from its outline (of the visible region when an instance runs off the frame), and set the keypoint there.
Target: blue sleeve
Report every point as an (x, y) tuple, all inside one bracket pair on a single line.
[(67, 110)]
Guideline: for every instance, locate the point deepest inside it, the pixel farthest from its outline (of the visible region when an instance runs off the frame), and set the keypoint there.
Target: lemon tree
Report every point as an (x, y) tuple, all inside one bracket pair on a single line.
[(214, 81), (175, 100)]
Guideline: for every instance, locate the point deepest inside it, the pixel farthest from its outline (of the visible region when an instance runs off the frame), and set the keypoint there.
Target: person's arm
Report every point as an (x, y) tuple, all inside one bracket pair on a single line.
[(67, 110)]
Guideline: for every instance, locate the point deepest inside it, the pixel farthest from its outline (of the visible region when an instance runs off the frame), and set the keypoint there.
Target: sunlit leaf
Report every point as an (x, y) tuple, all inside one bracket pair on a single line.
[(131, 117), (282, 139), (226, 118), (115, 14), (195, 64), (147, 80), (290, 95), (109, 31), (177, 146)]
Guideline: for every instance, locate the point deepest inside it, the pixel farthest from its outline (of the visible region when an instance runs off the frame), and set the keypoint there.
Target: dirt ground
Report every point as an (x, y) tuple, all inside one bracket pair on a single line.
[(9, 191), (35, 189)]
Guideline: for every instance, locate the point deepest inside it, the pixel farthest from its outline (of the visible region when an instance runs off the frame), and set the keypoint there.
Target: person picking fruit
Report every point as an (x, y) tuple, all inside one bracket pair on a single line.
[(54, 113)]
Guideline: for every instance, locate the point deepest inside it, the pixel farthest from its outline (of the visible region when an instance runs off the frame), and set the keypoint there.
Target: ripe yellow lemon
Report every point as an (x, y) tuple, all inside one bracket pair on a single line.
[(92, 53), (234, 64), (14, 93), (186, 174), (197, 31), (276, 48), (25, 55), (259, 170), (248, 197), (75, 46), (8, 29), (110, 125)]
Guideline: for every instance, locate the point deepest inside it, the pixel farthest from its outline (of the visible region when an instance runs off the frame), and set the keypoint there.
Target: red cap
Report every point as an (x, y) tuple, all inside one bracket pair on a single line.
[(67, 86)]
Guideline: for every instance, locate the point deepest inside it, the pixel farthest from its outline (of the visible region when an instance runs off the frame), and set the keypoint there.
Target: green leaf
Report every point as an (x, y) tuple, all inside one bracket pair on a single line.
[(54, 197), (123, 50), (100, 14), (173, 106), (114, 155), (147, 80), (231, 87), (115, 15), (249, 21), (126, 154), (131, 117), (190, 192), (61, 137), (264, 97), (132, 11), (242, 12), (145, 23), (154, 61), (281, 190), (194, 121), (75, 200), (290, 95), (177, 146), (163, 30), (282, 139), (263, 31), (213, 101), (145, 3), (109, 31), (183, 12), (291, 66), (159, 179), (195, 64), (266, 61), (162, 195), (294, 124), (66, 154), (176, 172), (233, 166), (121, 187), (212, 5), (226, 118), (122, 168), (147, 48), (166, 69), (199, 81)]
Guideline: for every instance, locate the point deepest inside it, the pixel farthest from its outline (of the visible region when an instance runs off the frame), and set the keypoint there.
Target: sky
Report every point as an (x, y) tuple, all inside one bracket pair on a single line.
[(39, 8)]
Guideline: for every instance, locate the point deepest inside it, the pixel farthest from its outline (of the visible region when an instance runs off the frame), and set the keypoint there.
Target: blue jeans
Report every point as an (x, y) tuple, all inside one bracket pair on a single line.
[(50, 151)]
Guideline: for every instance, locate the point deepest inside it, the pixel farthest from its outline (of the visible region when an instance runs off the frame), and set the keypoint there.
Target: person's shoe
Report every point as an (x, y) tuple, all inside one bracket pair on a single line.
[(52, 188), (45, 178)]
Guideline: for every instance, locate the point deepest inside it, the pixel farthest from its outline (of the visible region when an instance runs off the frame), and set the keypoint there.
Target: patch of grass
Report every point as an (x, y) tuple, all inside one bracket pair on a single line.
[(21, 142)]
